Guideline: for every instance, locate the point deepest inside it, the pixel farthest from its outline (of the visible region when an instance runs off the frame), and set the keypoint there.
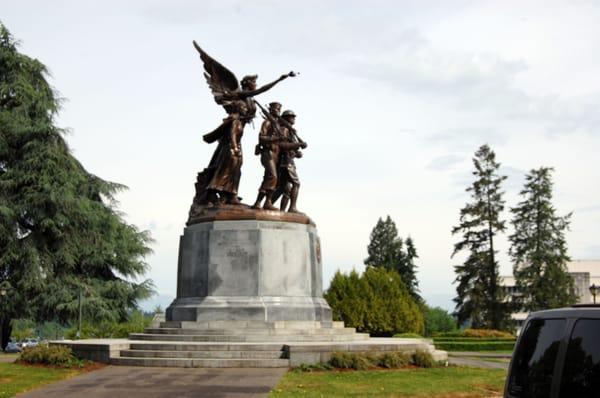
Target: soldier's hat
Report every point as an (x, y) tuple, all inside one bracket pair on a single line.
[(288, 113), (274, 105)]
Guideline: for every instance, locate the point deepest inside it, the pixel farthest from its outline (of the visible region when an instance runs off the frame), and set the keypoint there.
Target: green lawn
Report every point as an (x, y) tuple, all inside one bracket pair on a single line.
[(16, 378), (436, 382)]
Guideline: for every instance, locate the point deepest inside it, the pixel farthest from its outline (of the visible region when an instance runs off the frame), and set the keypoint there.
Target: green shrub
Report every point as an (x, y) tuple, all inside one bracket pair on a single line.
[(409, 335), (394, 360), (361, 362), (351, 360), (438, 320), (477, 333), (376, 302), (389, 360), (423, 359), (340, 360), (472, 339), (22, 329), (475, 346), (136, 323), (54, 355)]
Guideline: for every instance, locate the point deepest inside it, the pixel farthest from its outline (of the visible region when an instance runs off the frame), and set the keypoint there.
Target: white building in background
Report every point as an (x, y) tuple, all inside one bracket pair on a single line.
[(584, 272)]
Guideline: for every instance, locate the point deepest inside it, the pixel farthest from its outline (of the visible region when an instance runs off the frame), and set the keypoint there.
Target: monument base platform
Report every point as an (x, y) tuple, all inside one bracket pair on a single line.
[(241, 344), (250, 270)]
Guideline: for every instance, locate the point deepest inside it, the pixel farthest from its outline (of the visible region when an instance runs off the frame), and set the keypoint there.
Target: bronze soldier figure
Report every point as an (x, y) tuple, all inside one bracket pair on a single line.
[(219, 182), (288, 183), (268, 148)]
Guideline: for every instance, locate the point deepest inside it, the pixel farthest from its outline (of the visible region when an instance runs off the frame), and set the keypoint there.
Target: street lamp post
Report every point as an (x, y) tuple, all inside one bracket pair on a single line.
[(594, 290)]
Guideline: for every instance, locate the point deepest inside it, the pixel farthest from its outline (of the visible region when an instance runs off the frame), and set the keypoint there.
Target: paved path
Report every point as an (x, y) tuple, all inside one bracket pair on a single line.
[(491, 354), (477, 363), (7, 358), (138, 382), (490, 360)]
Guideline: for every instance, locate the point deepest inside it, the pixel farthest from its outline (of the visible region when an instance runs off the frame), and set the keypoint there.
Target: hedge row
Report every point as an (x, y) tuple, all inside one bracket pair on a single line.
[(390, 360), (477, 333), (475, 346), (474, 339)]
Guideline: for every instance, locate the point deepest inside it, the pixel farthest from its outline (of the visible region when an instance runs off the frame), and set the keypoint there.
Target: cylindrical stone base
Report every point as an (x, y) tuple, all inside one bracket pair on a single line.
[(249, 270)]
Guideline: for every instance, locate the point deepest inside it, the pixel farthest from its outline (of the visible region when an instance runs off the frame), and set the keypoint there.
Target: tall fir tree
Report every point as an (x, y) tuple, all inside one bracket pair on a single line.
[(480, 299), (386, 250), (60, 230), (538, 247)]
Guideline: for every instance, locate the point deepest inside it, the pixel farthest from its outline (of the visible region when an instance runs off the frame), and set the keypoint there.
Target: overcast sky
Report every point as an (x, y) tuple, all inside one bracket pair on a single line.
[(393, 98)]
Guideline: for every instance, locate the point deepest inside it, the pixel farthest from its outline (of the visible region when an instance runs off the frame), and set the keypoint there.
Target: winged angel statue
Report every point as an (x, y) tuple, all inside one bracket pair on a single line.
[(218, 183)]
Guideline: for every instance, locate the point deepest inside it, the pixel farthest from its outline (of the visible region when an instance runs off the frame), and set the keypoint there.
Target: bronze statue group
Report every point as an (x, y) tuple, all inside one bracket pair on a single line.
[(278, 145)]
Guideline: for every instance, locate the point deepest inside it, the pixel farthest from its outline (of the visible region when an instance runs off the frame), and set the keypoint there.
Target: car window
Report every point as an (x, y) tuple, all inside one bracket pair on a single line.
[(581, 374), (534, 359)]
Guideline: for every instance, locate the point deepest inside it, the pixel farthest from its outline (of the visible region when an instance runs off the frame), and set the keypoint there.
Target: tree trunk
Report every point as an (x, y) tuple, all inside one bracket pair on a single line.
[(5, 331)]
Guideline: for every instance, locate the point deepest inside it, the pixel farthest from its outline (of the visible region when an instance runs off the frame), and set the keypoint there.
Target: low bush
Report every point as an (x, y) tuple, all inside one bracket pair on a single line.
[(423, 359), (475, 345), (351, 360), (477, 333), (394, 360), (389, 360), (409, 335), (54, 355), (472, 339)]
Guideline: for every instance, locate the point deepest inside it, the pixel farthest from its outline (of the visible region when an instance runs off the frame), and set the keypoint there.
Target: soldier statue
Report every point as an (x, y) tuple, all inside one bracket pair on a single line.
[(288, 183), (268, 148), (218, 182)]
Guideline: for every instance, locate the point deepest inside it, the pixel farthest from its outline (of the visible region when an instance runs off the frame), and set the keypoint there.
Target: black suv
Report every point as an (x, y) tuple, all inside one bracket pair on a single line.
[(557, 355)]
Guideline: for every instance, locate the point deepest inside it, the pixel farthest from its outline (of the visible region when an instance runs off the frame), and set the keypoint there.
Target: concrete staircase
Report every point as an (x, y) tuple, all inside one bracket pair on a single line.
[(228, 344), (200, 355), (240, 344)]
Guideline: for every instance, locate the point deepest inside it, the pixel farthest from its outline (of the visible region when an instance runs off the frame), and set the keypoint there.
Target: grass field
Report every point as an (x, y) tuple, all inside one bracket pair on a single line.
[(450, 382), (15, 378)]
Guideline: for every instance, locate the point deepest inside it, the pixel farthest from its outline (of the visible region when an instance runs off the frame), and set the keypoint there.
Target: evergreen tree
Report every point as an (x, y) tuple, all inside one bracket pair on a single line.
[(408, 269), (60, 231), (376, 302), (386, 250), (538, 247), (480, 299)]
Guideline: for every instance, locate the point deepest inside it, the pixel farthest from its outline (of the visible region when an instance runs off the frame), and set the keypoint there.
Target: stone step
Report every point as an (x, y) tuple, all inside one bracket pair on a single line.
[(204, 346), (201, 363), (303, 325), (213, 354), (249, 338), (249, 331)]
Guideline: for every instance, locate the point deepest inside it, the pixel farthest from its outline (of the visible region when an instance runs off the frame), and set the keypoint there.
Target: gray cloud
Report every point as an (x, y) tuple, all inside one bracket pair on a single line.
[(482, 82), (445, 162), (466, 139)]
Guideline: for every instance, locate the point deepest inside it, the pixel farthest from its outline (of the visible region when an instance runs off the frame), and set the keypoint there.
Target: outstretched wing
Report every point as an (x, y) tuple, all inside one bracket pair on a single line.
[(220, 79)]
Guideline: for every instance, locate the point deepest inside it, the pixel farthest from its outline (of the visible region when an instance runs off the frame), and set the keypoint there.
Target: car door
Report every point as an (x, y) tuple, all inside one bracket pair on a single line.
[(580, 374), (534, 363)]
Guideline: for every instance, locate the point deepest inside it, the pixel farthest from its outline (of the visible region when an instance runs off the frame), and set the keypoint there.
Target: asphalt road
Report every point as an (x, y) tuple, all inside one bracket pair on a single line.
[(138, 382)]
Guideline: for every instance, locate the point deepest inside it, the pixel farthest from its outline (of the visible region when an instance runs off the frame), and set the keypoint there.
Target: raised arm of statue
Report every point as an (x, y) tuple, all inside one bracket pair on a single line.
[(266, 87)]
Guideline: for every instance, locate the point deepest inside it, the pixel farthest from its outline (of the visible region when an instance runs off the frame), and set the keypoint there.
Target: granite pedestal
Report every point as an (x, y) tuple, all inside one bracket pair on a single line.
[(249, 270)]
